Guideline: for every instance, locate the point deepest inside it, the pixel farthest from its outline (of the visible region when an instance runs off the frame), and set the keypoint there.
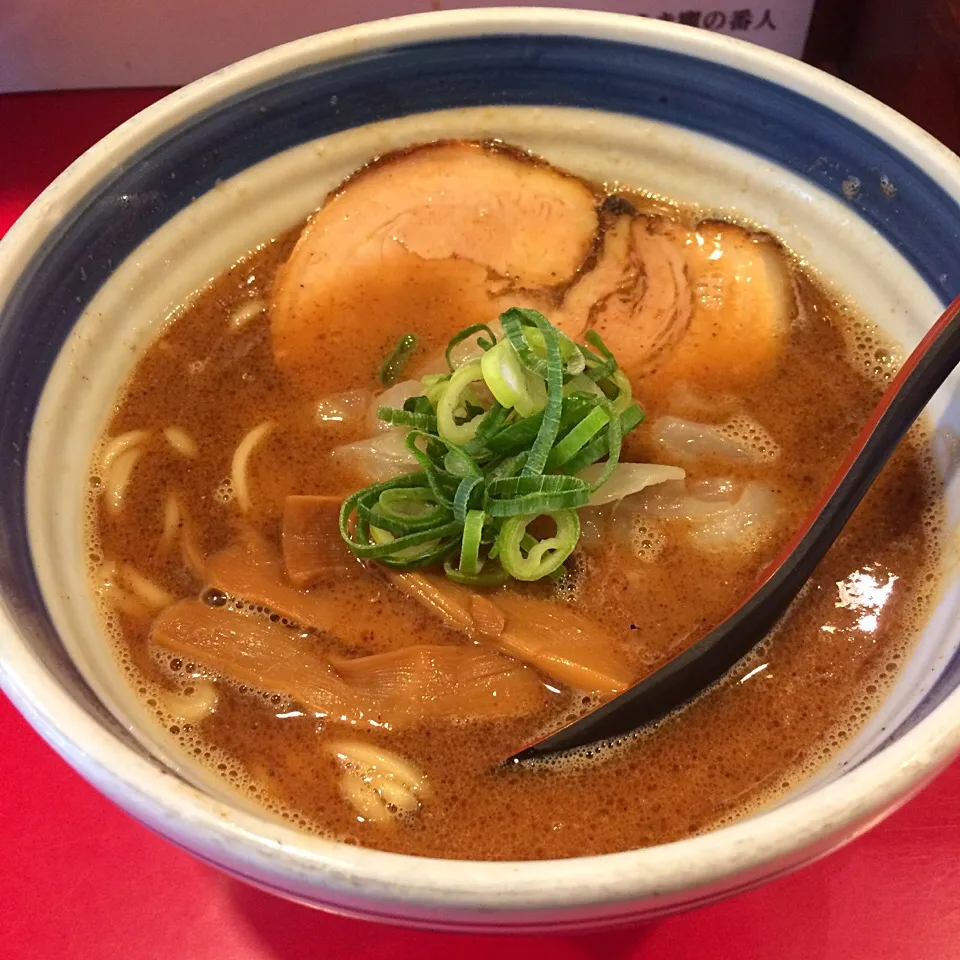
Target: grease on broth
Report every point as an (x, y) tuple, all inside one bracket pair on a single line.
[(167, 496)]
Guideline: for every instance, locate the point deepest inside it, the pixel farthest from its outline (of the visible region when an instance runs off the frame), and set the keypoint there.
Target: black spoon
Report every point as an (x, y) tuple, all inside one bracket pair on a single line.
[(707, 660)]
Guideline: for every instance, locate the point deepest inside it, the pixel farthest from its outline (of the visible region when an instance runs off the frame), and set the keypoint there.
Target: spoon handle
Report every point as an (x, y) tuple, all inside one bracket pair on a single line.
[(707, 660)]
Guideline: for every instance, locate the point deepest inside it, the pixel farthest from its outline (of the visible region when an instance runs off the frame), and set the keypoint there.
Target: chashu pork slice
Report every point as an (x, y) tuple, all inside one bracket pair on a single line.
[(643, 319), (711, 306), (743, 306), (410, 245)]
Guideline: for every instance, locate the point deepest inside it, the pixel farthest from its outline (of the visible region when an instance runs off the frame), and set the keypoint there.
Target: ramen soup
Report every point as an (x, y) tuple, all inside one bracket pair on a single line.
[(352, 578)]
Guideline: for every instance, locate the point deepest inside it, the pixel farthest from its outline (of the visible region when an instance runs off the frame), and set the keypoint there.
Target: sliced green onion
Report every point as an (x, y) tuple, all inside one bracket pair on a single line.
[(418, 405), (491, 424), (441, 485), (385, 538), (404, 418), (373, 516), (614, 440), (599, 365), (468, 332), (434, 387), (471, 409), (524, 328), (374, 550), (578, 437), (550, 426), (491, 575), (514, 321), (458, 463), (416, 507), (510, 383), (398, 356), (581, 383), (451, 399), (440, 554), (510, 467), (544, 556), (372, 512), (599, 445), (520, 434), (470, 562), (462, 498), (557, 406), (624, 397), (513, 496)]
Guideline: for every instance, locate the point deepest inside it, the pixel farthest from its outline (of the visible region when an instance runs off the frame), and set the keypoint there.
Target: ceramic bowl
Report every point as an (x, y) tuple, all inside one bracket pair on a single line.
[(92, 270)]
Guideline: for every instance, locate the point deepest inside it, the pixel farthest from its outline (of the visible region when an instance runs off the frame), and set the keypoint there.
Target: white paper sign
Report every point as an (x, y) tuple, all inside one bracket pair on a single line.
[(55, 44)]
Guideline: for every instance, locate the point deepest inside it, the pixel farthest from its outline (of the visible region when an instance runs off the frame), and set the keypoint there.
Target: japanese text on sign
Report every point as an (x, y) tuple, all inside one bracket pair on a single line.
[(733, 21), (123, 47)]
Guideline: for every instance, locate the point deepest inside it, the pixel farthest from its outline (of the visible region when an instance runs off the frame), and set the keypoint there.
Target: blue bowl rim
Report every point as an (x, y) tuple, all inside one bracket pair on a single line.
[(147, 793)]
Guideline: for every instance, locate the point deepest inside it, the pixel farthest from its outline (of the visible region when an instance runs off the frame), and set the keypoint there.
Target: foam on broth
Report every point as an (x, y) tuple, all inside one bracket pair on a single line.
[(796, 700)]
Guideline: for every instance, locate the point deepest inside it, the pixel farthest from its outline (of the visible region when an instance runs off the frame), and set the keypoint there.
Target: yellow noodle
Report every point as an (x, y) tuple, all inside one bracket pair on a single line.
[(194, 707), (171, 521), (364, 798), (118, 478), (238, 468), (245, 313), (119, 445), (152, 595), (119, 599), (376, 780), (383, 763), (182, 442)]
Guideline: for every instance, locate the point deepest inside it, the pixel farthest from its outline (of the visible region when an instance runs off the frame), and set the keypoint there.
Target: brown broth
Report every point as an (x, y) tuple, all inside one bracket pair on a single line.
[(783, 713)]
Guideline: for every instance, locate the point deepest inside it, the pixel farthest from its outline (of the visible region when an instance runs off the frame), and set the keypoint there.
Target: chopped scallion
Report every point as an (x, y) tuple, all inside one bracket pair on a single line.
[(490, 467), (398, 356)]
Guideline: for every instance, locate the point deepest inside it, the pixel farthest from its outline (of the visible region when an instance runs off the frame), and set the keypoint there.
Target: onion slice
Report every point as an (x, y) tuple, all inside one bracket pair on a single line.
[(378, 458), (627, 479)]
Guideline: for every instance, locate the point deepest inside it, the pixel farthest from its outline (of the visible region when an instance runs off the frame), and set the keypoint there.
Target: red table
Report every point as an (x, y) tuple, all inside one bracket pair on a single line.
[(81, 881)]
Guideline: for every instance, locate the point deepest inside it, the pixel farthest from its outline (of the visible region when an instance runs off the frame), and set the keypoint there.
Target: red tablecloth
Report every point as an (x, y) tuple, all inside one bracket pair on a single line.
[(81, 881)]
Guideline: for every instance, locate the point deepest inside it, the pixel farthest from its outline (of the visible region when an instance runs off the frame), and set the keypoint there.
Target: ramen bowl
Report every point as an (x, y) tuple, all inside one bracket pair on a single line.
[(92, 270)]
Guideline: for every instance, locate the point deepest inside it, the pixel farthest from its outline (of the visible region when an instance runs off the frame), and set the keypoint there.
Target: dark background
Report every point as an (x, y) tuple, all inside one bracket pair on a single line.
[(904, 52)]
